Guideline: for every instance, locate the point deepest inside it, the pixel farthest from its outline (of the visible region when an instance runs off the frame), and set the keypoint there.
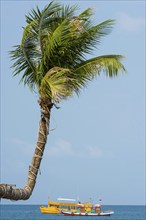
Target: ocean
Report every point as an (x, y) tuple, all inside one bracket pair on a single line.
[(32, 212)]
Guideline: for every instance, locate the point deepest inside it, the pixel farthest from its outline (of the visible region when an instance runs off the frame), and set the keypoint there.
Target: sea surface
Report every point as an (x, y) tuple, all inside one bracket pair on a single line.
[(32, 212)]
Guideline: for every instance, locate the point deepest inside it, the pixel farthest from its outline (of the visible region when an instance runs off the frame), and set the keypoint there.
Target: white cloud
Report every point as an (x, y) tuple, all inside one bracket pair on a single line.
[(94, 152), (17, 141), (19, 156), (131, 24), (22, 146), (63, 148)]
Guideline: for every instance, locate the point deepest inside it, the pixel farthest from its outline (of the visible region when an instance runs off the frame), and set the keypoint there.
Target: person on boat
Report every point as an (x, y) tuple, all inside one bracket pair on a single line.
[(98, 208)]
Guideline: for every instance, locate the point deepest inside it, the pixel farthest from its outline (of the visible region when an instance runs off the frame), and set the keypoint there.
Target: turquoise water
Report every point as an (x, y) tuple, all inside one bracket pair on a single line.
[(32, 212)]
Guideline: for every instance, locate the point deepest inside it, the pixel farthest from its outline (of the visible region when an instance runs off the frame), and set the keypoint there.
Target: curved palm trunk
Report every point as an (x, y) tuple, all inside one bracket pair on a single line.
[(8, 191)]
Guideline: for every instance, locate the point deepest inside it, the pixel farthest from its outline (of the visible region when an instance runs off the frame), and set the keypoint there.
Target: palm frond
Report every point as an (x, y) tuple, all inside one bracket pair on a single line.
[(28, 54), (28, 59), (90, 38), (86, 14), (67, 11), (55, 34), (34, 15), (110, 64), (86, 71), (57, 84), (67, 46), (58, 39), (53, 49), (60, 83)]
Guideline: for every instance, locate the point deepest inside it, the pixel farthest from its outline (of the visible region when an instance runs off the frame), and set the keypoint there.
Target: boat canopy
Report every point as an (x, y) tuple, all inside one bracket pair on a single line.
[(64, 199), (98, 205), (80, 205)]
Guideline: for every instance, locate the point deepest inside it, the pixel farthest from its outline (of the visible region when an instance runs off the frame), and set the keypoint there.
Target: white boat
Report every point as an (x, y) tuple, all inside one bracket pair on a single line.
[(103, 213)]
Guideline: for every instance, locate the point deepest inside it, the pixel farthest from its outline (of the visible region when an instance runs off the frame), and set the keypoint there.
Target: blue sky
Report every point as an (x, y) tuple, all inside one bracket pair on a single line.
[(97, 147)]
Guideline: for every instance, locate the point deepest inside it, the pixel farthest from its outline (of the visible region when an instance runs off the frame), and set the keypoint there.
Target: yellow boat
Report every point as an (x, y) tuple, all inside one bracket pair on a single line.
[(62, 204)]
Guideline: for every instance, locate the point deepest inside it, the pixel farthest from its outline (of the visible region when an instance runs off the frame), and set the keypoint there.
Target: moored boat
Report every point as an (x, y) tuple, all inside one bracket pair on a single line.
[(95, 210), (69, 207), (55, 207), (68, 213)]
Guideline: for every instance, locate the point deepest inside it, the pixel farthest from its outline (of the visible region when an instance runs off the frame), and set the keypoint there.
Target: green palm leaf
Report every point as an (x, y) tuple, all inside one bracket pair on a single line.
[(53, 49), (57, 84), (110, 64)]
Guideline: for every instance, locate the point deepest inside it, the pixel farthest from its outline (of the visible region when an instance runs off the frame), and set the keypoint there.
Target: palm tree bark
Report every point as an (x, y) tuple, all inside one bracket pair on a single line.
[(8, 191)]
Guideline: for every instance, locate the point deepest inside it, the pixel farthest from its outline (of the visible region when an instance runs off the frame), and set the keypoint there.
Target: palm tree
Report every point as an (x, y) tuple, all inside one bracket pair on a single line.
[(52, 58)]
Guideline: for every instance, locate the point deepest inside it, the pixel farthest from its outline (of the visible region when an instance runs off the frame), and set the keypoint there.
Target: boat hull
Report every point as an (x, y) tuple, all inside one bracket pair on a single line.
[(46, 210), (67, 213)]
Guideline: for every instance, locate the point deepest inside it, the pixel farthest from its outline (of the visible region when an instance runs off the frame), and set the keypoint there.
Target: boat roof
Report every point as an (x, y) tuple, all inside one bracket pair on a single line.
[(65, 199)]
